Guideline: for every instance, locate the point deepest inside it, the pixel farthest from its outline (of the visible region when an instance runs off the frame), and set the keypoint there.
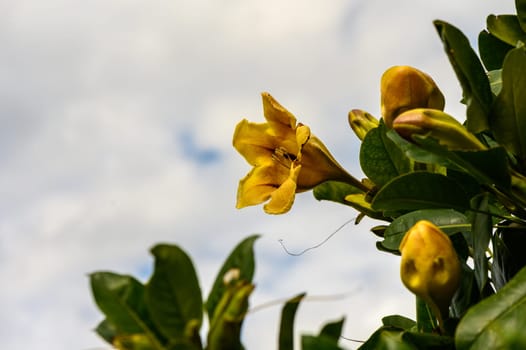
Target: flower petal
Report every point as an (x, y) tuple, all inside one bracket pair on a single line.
[(302, 136), (282, 199), (258, 185), (254, 142), (279, 118)]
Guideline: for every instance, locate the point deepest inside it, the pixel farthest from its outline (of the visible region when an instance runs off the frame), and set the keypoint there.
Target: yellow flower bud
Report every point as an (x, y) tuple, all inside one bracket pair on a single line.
[(439, 125), (361, 122), (403, 88), (430, 267)]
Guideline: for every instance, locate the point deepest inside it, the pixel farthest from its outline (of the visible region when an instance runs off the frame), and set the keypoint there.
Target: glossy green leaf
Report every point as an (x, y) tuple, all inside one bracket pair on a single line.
[(420, 190), (471, 75), (489, 167), (481, 235), (467, 294), (520, 5), (107, 331), (334, 191), (397, 321), (507, 29), (387, 338), (121, 299), (448, 220), (343, 193), (417, 153), (174, 296), (497, 322), (500, 265), (225, 326), (242, 258), (332, 330), (286, 329), (495, 80), (327, 339), (429, 341), (509, 114), (380, 160), (492, 51), (310, 342), (425, 319)]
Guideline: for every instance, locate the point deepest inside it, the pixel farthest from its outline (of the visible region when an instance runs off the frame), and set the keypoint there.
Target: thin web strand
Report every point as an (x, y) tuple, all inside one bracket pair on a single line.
[(319, 244)]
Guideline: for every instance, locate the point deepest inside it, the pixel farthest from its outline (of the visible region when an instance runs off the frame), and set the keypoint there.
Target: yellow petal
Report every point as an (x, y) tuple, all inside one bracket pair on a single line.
[(254, 142), (282, 198), (280, 119), (302, 136), (260, 182)]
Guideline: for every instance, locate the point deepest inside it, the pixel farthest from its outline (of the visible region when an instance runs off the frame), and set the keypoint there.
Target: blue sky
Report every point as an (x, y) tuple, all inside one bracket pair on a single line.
[(117, 118)]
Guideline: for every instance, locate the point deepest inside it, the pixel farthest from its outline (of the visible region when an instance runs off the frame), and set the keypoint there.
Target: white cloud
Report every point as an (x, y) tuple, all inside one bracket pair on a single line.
[(97, 95)]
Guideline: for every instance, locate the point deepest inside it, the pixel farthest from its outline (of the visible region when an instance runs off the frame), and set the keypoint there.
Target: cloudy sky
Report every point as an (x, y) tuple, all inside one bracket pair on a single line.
[(116, 125)]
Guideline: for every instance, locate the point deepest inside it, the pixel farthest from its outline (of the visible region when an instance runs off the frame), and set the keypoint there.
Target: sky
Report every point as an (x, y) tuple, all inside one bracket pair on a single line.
[(117, 120)]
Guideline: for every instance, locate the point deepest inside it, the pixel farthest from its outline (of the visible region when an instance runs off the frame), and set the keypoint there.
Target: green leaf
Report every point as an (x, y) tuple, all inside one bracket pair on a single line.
[(334, 191), (467, 295), (174, 296), (387, 338), (497, 322), (471, 75), (225, 326), (332, 330), (425, 320), (520, 5), (416, 152), (448, 220), (492, 51), (489, 167), (508, 121), (380, 160), (397, 321), (326, 340), (420, 190), (507, 29), (121, 299), (310, 342), (429, 341), (481, 234), (242, 258), (495, 80), (107, 331), (286, 329)]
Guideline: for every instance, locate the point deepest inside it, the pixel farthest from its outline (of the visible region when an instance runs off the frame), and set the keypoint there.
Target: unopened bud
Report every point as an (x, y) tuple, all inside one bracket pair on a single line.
[(438, 125), (361, 122), (403, 88), (430, 267)]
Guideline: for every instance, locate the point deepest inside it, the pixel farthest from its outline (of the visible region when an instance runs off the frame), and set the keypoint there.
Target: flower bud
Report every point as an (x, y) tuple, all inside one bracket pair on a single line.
[(361, 122), (430, 267), (439, 125), (403, 88)]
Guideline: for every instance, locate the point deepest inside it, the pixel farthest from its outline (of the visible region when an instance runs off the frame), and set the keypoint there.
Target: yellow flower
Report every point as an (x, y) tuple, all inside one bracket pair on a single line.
[(430, 267), (403, 88), (286, 157)]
